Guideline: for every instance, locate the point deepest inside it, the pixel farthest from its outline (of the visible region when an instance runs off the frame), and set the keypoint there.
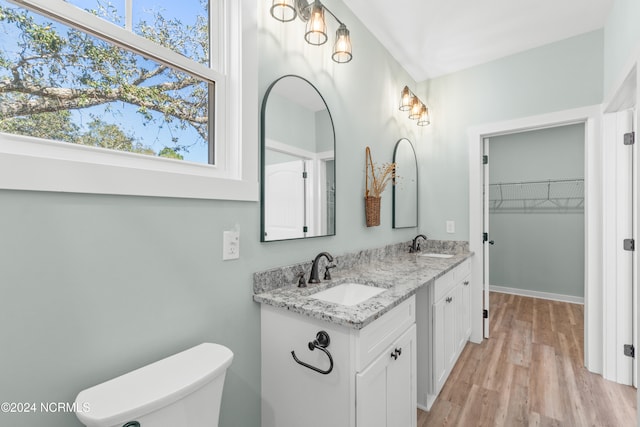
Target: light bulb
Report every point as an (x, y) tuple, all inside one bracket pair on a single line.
[(316, 33), (284, 10), (342, 46)]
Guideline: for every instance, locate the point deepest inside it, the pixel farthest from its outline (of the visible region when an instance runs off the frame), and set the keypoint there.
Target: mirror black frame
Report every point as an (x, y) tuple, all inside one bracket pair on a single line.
[(263, 147), (393, 209)]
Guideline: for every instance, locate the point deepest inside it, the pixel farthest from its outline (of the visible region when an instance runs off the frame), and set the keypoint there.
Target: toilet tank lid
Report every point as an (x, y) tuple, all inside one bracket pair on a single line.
[(153, 386)]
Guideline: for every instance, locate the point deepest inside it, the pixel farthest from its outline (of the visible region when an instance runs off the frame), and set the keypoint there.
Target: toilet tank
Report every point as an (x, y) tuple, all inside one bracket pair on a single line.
[(181, 390)]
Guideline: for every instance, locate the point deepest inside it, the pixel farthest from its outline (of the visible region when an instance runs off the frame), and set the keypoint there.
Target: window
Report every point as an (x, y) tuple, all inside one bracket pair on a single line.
[(138, 88)]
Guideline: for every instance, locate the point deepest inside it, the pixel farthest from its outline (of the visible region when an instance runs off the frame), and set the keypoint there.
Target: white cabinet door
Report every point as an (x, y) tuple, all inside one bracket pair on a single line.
[(451, 325), (401, 382), (371, 394), (445, 336), (439, 351), (386, 389)]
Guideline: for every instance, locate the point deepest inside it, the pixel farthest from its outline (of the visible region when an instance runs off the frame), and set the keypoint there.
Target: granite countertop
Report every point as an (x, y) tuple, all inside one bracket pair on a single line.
[(401, 275)]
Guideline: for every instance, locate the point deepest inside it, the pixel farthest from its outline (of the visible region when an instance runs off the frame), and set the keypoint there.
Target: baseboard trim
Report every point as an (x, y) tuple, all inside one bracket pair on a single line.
[(537, 294), (431, 399)]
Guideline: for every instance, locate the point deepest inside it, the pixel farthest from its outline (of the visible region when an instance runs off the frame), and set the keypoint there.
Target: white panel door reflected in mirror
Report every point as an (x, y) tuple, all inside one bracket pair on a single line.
[(298, 162), (405, 191)]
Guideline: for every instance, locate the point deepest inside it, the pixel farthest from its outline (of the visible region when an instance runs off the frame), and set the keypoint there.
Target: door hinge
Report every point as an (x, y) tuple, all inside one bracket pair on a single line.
[(485, 237), (304, 175), (485, 160), (485, 314), (629, 350), (629, 244), (629, 138)]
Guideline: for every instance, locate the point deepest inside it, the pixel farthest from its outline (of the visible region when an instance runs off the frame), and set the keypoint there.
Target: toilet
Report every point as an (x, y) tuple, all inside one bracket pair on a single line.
[(181, 390)]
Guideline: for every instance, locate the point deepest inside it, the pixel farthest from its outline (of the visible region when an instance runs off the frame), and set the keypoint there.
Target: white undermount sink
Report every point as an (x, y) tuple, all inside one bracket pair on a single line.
[(347, 294), (434, 255)]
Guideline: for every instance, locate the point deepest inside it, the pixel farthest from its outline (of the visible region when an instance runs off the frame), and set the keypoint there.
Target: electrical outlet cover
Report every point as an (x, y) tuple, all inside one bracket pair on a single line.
[(230, 245), (451, 226)]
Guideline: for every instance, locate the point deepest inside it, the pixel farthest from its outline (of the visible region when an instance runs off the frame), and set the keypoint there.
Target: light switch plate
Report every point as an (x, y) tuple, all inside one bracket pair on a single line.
[(451, 226), (230, 245)]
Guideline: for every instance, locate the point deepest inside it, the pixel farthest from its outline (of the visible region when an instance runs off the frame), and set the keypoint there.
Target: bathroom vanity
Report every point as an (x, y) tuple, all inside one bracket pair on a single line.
[(332, 361), (370, 379), (444, 322)]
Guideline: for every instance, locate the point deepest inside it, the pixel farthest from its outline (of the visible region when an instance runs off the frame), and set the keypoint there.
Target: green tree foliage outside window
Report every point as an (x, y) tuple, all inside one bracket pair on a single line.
[(60, 83)]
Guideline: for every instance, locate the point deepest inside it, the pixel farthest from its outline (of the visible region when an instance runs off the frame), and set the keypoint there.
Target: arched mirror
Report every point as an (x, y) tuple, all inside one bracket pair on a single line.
[(298, 162), (405, 192)]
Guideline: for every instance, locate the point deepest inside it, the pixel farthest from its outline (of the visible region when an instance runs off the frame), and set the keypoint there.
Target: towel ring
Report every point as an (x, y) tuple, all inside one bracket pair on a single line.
[(321, 343)]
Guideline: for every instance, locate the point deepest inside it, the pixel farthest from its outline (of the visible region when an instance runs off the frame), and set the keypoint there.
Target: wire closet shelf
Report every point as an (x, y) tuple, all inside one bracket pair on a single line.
[(554, 195)]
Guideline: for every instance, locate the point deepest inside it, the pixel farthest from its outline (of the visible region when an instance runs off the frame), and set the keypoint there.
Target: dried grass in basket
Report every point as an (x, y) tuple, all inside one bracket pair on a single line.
[(373, 193)]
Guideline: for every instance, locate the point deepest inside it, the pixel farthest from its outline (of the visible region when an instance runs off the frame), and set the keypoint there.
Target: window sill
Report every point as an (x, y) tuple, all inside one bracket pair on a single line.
[(32, 164)]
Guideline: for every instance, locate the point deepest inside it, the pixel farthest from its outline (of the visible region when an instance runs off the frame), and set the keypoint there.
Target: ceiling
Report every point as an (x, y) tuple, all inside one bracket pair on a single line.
[(301, 92), (435, 37)]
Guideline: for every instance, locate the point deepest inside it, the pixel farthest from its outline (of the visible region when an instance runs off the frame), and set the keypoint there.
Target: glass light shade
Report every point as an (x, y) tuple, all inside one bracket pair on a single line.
[(284, 10), (316, 33), (416, 108), (405, 99), (342, 47), (424, 119)]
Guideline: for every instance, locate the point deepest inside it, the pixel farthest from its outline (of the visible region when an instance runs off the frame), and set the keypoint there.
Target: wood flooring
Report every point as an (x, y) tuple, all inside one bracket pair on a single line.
[(530, 373)]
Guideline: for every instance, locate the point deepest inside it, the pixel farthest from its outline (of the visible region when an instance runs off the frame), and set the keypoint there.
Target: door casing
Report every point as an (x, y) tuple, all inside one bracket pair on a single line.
[(591, 117)]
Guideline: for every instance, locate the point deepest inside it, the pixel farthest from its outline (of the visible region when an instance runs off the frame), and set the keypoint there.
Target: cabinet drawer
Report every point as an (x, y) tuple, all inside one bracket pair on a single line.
[(462, 271), (445, 283), (377, 336)]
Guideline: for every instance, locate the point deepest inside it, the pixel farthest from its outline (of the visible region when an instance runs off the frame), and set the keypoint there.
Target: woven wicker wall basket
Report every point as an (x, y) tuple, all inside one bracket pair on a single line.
[(372, 210)]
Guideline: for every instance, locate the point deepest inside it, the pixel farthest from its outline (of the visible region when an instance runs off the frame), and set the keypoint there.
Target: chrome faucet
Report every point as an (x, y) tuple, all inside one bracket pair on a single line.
[(314, 277), (415, 246)]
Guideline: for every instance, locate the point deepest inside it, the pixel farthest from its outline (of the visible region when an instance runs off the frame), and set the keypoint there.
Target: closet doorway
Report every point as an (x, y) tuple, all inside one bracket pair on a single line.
[(535, 196), (590, 117)]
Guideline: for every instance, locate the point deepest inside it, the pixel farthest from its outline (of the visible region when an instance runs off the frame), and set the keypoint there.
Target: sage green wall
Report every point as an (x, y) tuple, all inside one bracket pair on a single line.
[(290, 124), (621, 42), (324, 136), (540, 251), (94, 286), (555, 77), (364, 111)]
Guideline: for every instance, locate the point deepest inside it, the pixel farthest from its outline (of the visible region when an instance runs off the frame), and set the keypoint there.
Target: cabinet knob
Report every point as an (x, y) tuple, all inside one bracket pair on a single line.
[(466, 283), (397, 352), (449, 299)]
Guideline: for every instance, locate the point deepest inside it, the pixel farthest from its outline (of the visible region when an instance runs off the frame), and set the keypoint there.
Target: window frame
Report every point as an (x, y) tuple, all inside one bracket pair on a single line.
[(28, 163)]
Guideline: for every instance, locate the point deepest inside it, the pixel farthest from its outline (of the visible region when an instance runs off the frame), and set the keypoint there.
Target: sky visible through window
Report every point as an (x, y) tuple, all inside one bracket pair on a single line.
[(58, 83), (187, 12)]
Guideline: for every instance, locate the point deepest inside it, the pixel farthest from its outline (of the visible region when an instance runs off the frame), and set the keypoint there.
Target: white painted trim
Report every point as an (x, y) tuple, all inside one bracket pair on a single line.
[(537, 294), (40, 165), (636, 224), (485, 278), (326, 155), (64, 167), (76, 17), (281, 147), (476, 227), (617, 263), (591, 116), (617, 330)]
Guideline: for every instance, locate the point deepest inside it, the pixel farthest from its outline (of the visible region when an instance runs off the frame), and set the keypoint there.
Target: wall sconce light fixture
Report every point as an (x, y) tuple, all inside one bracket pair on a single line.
[(416, 108), (316, 29), (424, 118)]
